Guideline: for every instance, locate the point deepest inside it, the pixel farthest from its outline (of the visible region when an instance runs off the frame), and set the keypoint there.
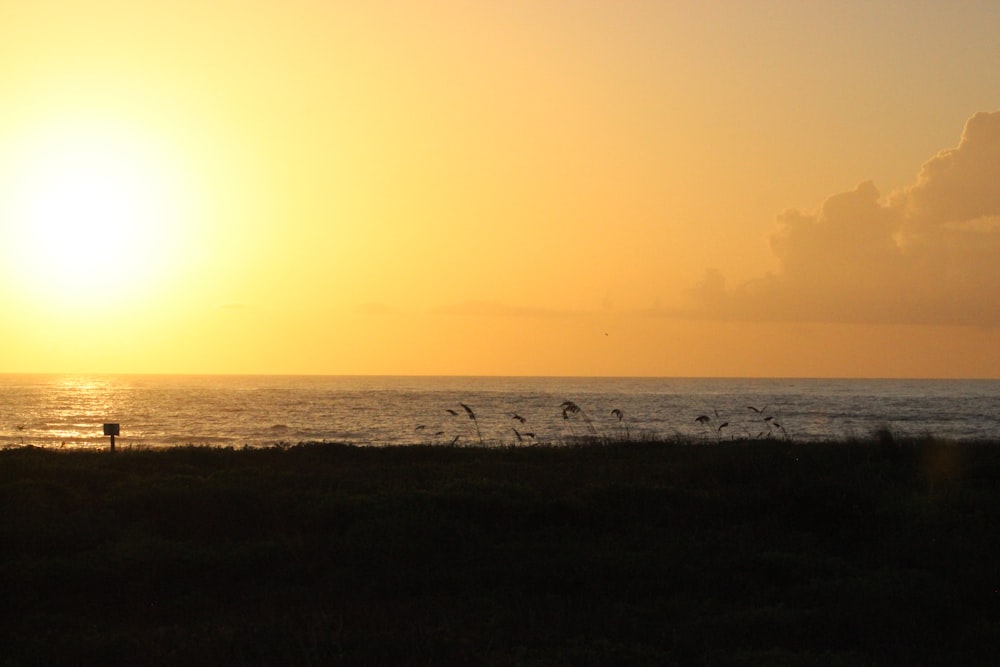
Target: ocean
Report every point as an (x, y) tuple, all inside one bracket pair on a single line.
[(67, 411)]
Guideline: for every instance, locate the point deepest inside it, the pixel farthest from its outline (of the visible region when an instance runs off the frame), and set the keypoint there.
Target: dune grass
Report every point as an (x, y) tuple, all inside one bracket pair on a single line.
[(620, 553)]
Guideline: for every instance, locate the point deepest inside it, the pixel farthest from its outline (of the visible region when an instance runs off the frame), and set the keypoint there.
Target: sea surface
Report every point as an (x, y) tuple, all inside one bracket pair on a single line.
[(68, 411)]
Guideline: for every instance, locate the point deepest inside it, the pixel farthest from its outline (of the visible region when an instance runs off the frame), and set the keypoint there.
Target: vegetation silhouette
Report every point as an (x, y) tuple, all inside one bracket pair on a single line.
[(569, 408), (622, 552), (621, 420), (472, 416)]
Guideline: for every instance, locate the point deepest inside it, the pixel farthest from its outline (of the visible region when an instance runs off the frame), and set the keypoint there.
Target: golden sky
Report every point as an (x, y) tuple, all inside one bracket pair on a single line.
[(501, 188)]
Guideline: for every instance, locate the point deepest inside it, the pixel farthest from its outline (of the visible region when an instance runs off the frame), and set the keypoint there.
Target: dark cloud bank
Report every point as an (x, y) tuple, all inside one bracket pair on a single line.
[(927, 254)]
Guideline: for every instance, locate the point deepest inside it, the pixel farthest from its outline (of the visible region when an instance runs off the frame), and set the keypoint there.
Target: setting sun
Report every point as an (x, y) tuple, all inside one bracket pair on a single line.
[(93, 212), (559, 188)]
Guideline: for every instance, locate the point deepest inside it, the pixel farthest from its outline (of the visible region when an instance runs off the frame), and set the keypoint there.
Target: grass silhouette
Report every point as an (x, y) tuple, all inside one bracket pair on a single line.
[(626, 552), (754, 550), (621, 420), (569, 408), (472, 416)]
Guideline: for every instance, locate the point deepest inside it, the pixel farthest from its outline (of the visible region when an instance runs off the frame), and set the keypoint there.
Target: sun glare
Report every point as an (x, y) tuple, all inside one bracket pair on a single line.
[(91, 214)]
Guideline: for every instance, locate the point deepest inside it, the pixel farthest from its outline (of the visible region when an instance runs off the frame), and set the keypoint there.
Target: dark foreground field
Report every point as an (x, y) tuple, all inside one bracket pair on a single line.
[(634, 553)]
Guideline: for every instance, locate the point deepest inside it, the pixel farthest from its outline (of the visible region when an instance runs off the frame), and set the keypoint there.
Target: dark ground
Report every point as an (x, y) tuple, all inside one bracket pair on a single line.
[(745, 553)]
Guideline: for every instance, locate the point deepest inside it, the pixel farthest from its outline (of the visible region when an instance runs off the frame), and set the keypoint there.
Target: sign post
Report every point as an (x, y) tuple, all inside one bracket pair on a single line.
[(112, 430)]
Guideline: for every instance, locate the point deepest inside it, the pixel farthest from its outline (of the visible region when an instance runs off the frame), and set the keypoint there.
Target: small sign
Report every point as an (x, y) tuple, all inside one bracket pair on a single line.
[(112, 429)]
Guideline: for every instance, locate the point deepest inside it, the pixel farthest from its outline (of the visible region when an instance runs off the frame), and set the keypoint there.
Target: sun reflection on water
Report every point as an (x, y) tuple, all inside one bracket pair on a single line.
[(162, 411), (79, 407)]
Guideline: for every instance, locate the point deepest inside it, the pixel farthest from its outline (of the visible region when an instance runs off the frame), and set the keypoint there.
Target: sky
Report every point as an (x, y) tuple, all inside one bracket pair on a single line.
[(729, 189)]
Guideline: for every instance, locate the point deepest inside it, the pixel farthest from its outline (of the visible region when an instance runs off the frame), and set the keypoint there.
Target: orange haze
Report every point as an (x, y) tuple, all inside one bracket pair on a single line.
[(543, 188)]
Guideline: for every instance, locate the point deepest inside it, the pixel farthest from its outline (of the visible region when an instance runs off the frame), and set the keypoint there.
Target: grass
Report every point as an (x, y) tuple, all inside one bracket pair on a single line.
[(739, 553)]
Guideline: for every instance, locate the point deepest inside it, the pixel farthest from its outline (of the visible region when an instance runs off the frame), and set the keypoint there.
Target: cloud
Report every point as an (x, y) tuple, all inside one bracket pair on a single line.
[(960, 183), (929, 253), (493, 309)]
